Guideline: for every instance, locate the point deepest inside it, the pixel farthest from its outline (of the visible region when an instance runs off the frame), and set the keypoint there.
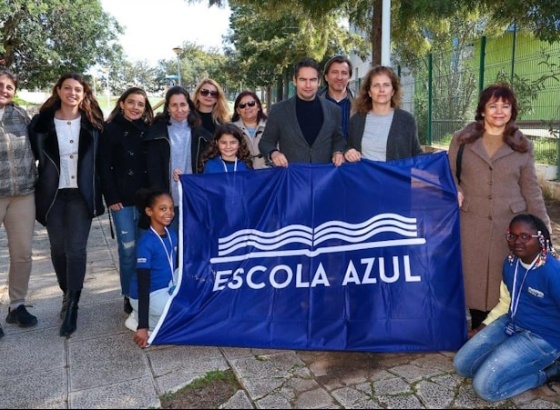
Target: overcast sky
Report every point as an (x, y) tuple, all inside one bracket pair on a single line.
[(154, 27)]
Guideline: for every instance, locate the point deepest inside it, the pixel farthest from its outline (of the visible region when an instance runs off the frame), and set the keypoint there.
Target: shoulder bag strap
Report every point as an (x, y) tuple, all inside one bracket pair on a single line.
[(459, 162)]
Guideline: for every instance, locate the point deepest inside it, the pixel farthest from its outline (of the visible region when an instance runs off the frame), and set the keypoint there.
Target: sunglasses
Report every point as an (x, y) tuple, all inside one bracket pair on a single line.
[(250, 104), (204, 92)]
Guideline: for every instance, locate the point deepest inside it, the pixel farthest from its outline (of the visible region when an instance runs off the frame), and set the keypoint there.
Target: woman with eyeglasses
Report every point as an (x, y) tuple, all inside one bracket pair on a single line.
[(211, 104), (250, 118), (517, 347), (174, 144), (496, 179)]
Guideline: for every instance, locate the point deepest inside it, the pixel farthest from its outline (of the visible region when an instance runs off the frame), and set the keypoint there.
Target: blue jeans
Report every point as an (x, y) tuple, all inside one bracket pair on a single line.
[(68, 226), (503, 366), (128, 232)]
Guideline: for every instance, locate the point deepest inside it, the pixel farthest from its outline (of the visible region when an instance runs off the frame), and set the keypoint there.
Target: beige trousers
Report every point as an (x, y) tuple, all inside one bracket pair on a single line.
[(17, 214)]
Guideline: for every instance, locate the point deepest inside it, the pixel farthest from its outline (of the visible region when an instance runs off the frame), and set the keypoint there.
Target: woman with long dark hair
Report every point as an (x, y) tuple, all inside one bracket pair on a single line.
[(64, 137), (498, 180), (175, 143), (122, 165)]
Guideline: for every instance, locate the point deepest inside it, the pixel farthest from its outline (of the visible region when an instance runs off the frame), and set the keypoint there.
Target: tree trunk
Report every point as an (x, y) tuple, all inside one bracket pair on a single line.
[(268, 99), (279, 89), (376, 28), (286, 79)]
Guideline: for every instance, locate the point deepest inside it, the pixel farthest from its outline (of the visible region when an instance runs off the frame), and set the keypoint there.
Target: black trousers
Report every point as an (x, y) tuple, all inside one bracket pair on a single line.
[(477, 317)]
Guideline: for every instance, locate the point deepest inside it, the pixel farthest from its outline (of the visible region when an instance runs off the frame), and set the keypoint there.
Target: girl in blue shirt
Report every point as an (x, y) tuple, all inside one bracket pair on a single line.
[(228, 151), (520, 350), (154, 282)]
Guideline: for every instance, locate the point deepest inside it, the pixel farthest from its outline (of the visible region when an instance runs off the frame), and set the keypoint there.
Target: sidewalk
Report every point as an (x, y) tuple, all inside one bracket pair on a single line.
[(101, 367)]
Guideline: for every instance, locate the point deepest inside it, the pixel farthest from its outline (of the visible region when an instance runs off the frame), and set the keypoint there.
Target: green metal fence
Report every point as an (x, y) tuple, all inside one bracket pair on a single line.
[(442, 89)]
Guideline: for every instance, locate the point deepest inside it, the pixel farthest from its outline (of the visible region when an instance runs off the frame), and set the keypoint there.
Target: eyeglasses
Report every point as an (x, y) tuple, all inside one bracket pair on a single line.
[(525, 237), (250, 104), (205, 93)]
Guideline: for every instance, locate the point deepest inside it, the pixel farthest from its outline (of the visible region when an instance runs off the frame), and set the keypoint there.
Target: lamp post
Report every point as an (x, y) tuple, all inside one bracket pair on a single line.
[(178, 51), (107, 70)]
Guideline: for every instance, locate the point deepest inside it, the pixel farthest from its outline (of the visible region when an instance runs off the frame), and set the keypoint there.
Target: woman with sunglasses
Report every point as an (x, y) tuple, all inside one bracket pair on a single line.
[(517, 348), (211, 104), (249, 117)]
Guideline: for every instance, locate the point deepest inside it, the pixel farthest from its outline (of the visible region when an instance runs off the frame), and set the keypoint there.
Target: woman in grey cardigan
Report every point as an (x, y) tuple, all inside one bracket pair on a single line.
[(379, 130)]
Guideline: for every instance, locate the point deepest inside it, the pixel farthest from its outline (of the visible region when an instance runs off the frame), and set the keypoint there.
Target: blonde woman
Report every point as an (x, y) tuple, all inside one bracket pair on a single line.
[(211, 104)]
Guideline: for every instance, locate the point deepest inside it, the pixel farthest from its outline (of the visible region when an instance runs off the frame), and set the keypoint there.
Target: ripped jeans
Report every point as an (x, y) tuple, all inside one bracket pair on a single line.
[(128, 232), (503, 366)]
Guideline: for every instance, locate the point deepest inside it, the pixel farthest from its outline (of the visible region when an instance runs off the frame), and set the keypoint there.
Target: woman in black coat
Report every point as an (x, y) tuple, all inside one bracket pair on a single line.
[(64, 138), (175, 143), (122, 165)]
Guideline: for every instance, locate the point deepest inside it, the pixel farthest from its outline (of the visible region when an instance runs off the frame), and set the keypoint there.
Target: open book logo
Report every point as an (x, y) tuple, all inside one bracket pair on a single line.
[(295, 240)]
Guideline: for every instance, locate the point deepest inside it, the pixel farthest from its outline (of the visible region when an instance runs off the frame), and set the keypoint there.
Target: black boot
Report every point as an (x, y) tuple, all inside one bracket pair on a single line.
[(69, 323), (65, 301)]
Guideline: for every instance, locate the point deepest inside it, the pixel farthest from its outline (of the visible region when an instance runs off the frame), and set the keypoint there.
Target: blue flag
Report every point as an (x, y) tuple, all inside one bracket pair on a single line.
[(363, 257)]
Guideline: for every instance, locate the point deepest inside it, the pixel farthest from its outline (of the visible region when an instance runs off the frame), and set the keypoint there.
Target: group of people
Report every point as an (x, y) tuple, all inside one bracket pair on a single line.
[(134, 159)]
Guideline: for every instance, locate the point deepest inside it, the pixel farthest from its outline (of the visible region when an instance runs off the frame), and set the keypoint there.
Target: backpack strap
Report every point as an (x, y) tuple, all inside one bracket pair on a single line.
[(458, 162)]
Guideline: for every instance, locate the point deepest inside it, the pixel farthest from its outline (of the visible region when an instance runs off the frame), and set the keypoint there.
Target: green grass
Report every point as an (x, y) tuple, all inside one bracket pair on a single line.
[(210, 391)]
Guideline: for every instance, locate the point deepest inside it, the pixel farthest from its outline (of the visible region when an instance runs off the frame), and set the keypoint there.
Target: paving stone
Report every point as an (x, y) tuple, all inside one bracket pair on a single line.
[(391, 386), (434, 396), (34, 390), (238, 401), (348, 396), (131, 394)]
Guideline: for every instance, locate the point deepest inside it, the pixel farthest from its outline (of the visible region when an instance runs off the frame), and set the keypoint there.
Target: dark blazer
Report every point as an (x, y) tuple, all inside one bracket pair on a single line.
[(158, 155), (122, 160), (403, 135), (44, 143), (283, 132)]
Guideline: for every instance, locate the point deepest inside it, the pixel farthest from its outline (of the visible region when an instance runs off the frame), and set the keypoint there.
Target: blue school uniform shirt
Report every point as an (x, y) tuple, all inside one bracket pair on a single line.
[(217, 164), (539, 305), (151, 255)]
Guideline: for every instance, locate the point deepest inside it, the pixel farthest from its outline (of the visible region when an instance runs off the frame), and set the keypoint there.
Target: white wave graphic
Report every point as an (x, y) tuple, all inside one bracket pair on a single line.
[(302, 235)]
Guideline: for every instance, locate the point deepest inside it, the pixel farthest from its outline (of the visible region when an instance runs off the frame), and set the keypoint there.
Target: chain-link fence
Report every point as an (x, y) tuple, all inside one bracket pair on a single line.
[(442, 89)]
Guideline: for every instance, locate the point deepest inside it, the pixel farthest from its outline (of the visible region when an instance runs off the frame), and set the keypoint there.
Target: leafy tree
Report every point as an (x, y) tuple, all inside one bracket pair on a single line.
[(265, 43), (41, 39), (542, 17)]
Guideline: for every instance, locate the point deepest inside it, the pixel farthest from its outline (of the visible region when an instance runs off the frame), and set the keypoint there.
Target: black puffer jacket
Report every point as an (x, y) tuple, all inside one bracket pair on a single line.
[(44, 143)]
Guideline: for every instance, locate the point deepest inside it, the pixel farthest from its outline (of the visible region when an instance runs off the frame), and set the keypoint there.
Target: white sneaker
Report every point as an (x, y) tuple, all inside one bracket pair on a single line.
[(131, 322)]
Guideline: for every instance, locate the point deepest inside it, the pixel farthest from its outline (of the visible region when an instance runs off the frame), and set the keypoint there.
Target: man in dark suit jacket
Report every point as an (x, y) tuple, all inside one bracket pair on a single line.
[(304, 128)]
